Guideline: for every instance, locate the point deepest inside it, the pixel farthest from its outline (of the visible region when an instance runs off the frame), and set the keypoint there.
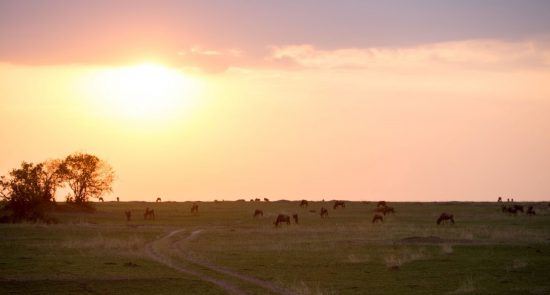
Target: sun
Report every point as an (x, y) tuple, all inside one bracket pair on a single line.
[(144, 91)]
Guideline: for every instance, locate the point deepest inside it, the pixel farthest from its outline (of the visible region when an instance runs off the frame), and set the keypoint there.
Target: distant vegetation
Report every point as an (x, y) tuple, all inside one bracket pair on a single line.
[(28, 192)]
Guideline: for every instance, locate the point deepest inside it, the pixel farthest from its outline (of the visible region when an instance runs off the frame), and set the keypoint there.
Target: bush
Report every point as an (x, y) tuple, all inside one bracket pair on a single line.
[(28, 192)]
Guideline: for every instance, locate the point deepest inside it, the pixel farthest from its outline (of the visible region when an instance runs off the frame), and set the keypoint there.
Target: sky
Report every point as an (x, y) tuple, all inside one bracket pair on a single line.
[(358, 100)]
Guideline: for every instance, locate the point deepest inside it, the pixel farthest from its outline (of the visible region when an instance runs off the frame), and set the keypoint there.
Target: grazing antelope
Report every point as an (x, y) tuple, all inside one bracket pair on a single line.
[(531, 211), (519, 208), (195, 208), (385, 210), (257, 200), (258, 212), (339, 204), (101, 199), (266, 199), (377, 217), (304, 203), (444, 217), (149, 214), (128, 215), (511, 210), (282, 218), (324, 212)]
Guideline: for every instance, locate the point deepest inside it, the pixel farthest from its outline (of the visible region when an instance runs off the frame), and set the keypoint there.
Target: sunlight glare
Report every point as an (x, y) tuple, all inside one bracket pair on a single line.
[(145, 91)]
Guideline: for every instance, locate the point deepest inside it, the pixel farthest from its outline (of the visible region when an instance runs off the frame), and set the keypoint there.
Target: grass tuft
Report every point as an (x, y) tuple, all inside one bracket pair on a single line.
[(99, 242), (447, 249), (302, 288), (466, 287)]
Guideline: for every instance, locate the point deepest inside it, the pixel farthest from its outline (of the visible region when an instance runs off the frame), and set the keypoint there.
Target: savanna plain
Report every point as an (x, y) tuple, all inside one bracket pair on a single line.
[(224, 249)]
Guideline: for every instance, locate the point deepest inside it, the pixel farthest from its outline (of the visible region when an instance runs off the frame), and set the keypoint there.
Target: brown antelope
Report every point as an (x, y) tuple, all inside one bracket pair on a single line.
[(324, 212), (258, 212), (511, 210), (444, 217), (519, 208), (149, 214), (282, 218), (339, 204), (385, 210), (195, 208), (377, 217)]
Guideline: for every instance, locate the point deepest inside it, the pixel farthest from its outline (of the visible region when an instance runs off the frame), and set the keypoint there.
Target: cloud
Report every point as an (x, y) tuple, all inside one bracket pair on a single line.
[(208, 59), (472, 53), (211, 60), (200, 51), (486, 54)]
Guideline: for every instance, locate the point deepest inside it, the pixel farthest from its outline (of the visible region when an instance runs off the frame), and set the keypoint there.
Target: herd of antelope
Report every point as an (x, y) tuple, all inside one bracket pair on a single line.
[(381, 210)]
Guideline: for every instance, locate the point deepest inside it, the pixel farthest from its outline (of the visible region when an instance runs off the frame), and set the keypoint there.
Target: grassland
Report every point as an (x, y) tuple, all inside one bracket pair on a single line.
[(224, 250)]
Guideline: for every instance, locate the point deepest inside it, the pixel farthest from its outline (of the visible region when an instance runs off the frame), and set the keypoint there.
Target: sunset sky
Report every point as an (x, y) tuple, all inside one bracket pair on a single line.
[(359, 100)]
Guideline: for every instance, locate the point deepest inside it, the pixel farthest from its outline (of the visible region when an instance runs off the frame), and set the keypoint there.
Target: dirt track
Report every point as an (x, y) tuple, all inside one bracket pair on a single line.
[(159, 251)]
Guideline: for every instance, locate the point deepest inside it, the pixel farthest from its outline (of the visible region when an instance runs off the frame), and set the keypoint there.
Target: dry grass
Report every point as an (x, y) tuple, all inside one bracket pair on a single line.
[(517, 235), (357, 258), (466, 287), (394, 261), (447, 249), (518, 264), (466, 235), (302, 288), (130, 245), (328, 251)]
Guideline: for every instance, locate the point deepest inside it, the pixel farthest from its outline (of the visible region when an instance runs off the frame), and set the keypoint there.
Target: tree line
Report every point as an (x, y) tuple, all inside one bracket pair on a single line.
[(28, 193)]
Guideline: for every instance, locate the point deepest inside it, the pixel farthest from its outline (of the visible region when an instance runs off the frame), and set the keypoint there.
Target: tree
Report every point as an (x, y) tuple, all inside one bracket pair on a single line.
[(87, 176), (29, 191)]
